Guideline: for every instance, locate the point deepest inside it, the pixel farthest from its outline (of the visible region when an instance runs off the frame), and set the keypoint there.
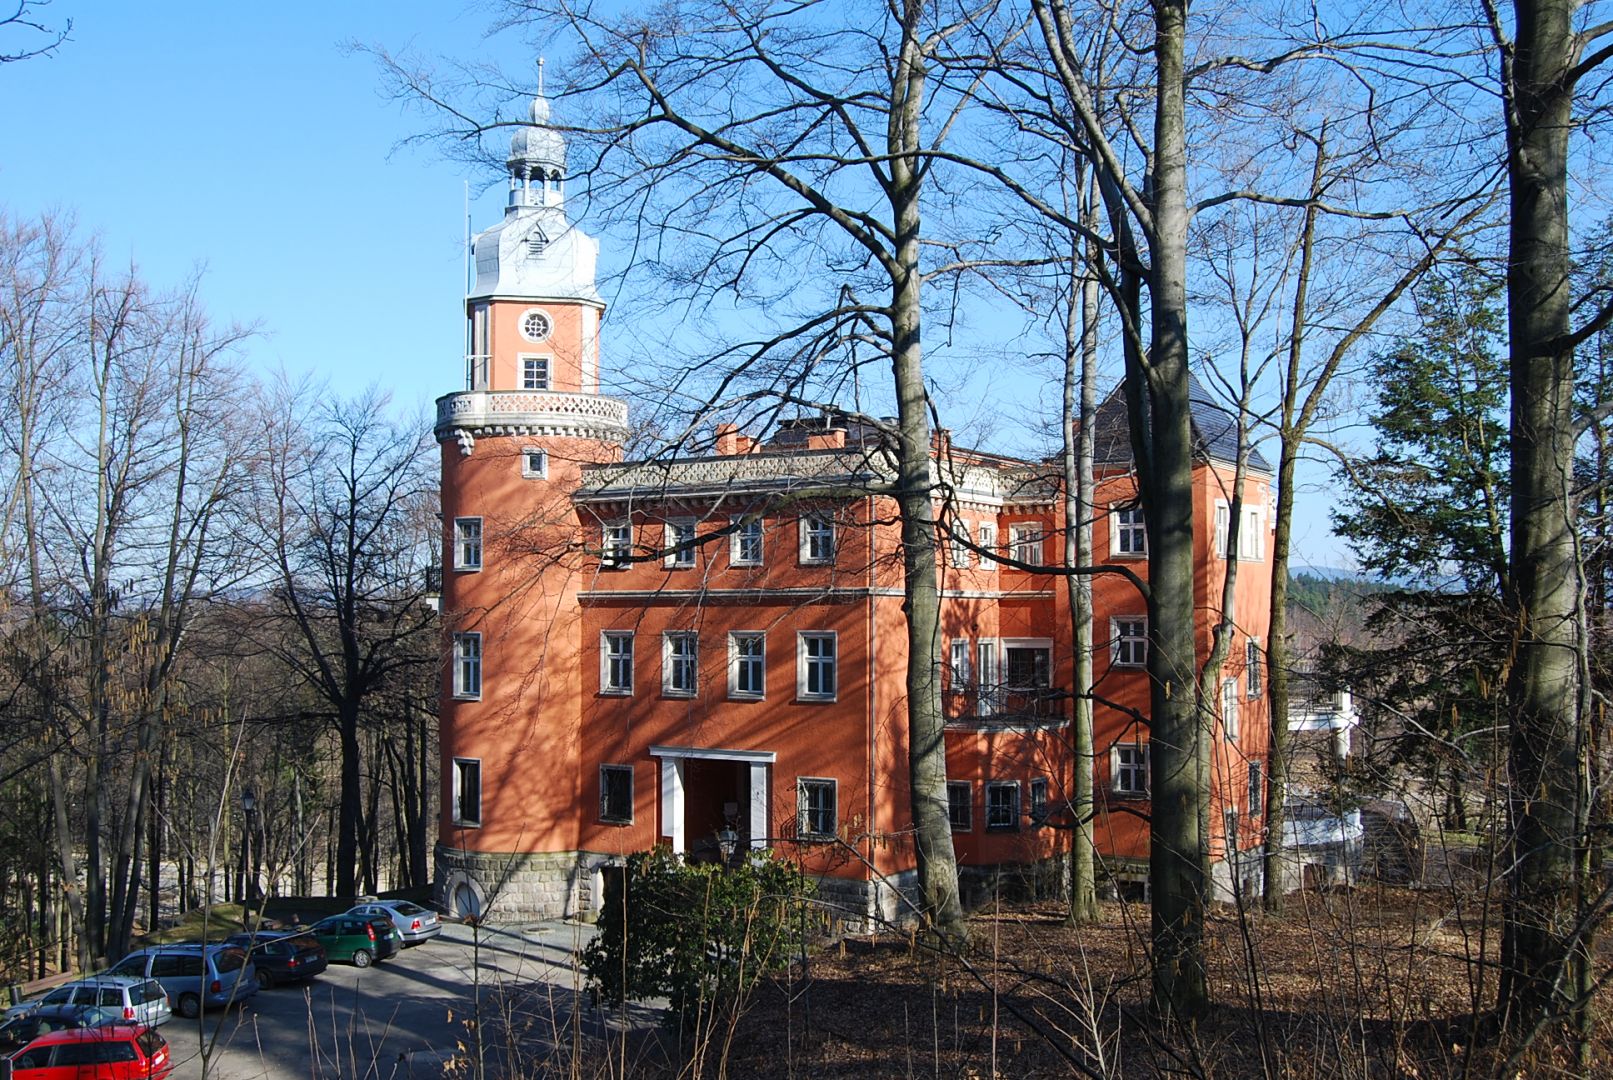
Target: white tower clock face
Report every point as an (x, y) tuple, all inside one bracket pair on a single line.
[(535, 326)]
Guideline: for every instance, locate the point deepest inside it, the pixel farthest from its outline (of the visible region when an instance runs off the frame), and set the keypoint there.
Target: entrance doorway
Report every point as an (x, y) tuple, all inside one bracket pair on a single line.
[(706, 792), (716, 804)]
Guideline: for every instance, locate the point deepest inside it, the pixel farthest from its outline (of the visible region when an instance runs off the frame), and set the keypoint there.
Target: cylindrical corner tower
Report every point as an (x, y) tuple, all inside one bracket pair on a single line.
[(514, 442)]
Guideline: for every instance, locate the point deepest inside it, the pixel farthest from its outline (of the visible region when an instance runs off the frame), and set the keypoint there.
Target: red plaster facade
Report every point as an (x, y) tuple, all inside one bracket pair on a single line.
[(707, 651)]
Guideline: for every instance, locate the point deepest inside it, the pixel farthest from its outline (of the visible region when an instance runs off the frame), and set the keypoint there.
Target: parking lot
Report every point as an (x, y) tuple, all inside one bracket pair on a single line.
[(406, 1017)]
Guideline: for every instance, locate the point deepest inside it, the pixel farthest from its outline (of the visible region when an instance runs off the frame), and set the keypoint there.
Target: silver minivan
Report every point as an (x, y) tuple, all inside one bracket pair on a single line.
[(195, 976), (138, 1000)]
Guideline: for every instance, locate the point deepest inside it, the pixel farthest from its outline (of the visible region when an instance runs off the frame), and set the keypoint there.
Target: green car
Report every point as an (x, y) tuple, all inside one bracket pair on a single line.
[(358, 940)]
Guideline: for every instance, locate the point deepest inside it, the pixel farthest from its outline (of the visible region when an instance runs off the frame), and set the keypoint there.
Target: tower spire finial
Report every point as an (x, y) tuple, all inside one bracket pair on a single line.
[(537, 160)]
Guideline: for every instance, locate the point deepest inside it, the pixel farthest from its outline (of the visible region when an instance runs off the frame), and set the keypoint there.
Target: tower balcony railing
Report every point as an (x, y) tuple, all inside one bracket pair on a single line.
[(518, 412)]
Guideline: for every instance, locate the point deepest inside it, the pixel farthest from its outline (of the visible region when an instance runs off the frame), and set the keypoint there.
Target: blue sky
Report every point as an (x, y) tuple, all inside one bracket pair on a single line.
[(249, 140)]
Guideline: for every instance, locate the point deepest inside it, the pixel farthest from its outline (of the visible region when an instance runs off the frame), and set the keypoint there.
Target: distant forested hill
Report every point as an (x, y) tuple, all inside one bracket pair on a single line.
[(1328, 607)]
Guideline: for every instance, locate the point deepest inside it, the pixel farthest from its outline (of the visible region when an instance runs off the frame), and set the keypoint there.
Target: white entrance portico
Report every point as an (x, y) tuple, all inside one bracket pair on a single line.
[(676, 764)]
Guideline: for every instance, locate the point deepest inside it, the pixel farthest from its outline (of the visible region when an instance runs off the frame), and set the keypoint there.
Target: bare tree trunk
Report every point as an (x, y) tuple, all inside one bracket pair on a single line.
[(125, 870), (350, 807), (937, 863), (64, 841), (1157, 397), (418, 809), (1080, 407), (1278, 661), (1542, 953), (154, 847), (302, 840), (370, 830)]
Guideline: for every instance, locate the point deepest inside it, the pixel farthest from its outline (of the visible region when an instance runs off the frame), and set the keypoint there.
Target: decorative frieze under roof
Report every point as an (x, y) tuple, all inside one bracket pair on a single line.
[(831, 473)]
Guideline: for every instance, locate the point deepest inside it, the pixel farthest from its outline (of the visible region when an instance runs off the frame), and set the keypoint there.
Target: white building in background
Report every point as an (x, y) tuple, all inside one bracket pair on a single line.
[(1323, 847)]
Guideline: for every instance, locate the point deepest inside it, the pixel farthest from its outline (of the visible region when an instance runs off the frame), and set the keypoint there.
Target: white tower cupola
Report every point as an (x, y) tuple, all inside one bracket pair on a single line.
[(535, 252), (537, 161)]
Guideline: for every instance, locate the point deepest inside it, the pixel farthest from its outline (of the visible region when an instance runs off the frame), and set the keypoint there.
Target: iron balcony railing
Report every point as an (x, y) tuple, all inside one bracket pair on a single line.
[(1002, 702)]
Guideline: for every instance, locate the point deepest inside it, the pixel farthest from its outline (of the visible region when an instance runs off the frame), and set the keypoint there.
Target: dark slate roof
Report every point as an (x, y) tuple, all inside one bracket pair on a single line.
[(1215, 430)]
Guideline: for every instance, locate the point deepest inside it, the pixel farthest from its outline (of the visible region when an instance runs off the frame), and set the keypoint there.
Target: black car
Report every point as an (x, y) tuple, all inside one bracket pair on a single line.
[(282, 956), (22, 1030)]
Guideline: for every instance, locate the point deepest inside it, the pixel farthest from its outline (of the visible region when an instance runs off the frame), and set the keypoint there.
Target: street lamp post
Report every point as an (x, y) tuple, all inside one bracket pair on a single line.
[(249, 868)]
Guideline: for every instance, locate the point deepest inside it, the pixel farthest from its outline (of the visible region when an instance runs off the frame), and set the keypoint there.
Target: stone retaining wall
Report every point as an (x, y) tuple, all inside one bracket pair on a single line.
[(509, 886)]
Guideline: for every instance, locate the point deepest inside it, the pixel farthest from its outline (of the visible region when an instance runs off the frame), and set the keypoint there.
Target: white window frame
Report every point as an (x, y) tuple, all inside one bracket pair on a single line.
[(1257, 787), (1254, 667), (988, 676), (542, 470), (960, 661), (1038, 800), (545, 366), (461, 764), (1223, 527), (1128, 531), (1230, 722), (605, 816), (1045, 645), (615, 545), (1027, 543), (803, 807), (1128, 650), (680, 663), (1252, 537), (609, 655), (986, 540), (480, 348), (678, 537), (468, 666), (744, 531), (738, 661), (1003, 785), (959, 557), (968, 789), (816, 539), (805, 662), (468, 543), (1123, 775)]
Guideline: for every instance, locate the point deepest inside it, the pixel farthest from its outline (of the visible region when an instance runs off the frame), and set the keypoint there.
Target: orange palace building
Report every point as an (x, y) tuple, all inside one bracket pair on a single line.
[(708, 652)]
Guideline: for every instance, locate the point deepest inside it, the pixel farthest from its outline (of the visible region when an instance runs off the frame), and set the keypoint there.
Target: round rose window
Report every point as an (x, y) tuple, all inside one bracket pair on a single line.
[(535, 326)]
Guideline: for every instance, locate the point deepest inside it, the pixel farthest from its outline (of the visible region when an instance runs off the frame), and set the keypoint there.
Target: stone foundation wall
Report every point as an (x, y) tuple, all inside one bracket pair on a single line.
[(510, 886), (513, 886), (862, 907), (1047, 879)]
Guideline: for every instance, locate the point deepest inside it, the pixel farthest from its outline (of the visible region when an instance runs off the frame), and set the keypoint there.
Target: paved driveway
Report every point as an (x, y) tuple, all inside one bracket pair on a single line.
[(407, 1016)]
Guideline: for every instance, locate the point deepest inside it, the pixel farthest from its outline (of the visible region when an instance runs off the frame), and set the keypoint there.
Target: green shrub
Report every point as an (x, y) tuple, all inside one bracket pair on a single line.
[(698, 934)]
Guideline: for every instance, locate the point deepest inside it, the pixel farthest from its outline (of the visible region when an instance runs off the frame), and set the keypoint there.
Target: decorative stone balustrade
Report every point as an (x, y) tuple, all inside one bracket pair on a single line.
[(474, 414)]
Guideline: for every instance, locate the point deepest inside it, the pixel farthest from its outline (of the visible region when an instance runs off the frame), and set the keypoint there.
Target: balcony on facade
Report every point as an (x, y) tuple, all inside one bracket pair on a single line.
[(1010, 707)]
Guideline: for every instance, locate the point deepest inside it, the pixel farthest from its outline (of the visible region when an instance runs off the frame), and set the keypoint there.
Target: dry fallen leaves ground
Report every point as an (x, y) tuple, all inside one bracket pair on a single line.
[(1374, 982)]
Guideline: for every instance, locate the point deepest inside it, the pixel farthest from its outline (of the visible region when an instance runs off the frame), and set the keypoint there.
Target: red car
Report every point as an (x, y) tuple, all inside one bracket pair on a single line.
[(117, 1052)]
